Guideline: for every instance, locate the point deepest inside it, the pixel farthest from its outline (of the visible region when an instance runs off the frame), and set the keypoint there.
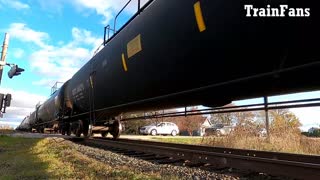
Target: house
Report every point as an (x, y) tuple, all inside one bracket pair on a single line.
[(204, 125), (313, 129)]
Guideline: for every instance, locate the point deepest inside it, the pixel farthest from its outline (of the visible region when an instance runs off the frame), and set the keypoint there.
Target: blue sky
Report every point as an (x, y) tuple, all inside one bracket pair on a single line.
[(52, 39)]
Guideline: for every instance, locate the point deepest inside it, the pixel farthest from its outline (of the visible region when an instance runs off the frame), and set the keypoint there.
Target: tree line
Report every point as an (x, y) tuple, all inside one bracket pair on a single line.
[(281, 120)]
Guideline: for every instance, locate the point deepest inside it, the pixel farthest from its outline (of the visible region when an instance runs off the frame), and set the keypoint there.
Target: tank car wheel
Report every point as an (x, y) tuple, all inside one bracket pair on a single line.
[(69, 132), (41, 130), (79, 128), (153, 132), (85, 128), (116, 129), (104, 133), (78, 132), (68, 129)]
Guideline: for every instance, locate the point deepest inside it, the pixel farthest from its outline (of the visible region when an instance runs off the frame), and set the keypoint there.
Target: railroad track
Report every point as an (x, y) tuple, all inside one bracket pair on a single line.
[(272, 163)]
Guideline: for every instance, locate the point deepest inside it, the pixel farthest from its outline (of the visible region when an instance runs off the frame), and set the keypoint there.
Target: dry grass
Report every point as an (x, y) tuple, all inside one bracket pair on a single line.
[(6, 131), (286, 141), (310, 145), (25, 158)]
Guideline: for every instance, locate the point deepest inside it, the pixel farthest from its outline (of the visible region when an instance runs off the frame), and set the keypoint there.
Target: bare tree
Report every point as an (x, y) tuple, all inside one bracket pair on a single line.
[(188, 123), (222, 118)]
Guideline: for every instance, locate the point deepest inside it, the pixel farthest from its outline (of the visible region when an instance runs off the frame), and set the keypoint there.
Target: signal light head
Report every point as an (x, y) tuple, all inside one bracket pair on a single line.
[(15, 71)]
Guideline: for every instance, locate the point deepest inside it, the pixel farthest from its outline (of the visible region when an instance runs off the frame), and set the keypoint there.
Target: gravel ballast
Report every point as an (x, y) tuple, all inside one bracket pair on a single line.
[(142, 166)]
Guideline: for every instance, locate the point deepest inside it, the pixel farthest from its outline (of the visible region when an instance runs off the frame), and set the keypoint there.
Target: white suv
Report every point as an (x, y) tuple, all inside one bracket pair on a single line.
[(160, 128)]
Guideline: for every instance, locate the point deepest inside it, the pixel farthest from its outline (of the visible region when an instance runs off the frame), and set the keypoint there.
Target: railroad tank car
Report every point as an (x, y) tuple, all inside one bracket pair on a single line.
[(234, 57), (32, 120), (181, 53), (25, 125), (48, 112), (28, 123)]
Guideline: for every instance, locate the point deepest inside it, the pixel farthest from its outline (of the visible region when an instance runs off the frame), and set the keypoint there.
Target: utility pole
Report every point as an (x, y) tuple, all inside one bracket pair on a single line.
[(4, 53), (15, 70)]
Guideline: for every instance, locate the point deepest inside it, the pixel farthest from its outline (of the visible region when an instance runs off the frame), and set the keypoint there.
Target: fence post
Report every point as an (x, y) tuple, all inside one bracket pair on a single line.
[(267, 117)]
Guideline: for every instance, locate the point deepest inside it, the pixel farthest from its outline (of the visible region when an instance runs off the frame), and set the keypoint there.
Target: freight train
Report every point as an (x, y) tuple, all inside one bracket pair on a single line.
[(187, 52)]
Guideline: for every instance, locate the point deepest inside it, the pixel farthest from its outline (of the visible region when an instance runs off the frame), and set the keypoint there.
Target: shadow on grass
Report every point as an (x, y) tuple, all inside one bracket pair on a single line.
[(18, 161)]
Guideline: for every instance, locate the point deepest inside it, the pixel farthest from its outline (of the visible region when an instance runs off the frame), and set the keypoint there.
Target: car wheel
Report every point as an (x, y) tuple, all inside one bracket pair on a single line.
[(218, 133), (174, 133), (153, 132)]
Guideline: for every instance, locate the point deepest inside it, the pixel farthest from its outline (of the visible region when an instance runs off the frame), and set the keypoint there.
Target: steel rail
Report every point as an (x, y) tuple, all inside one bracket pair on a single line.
[(272, 163), (243, 152)]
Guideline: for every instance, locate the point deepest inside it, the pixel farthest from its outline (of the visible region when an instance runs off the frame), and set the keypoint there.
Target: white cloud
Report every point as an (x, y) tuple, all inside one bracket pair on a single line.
[(59, 63), (56, 63), (23, 99), (107, 8), (14, 4), (22, 104), (52, 6), (83, 36), (25, 34), (18, 53), (9, 123), (45, 82), (309, 117), (101, 7)]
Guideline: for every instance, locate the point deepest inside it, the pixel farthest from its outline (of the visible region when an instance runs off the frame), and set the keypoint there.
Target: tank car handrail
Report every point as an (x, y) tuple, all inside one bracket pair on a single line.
[(105, 29), (54, 88), (115, 32), (115, 19)]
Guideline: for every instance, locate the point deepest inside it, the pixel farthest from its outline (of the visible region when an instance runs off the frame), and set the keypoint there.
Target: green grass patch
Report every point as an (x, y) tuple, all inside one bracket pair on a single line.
[(52, 158), (17, 161), (179, 140)]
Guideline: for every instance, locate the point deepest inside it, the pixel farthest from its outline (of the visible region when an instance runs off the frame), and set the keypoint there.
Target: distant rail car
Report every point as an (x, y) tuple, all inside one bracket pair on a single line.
[(181, 53)]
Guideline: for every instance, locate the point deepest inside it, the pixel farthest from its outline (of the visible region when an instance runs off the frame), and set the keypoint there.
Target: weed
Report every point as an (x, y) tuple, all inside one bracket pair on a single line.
[(289, 141)]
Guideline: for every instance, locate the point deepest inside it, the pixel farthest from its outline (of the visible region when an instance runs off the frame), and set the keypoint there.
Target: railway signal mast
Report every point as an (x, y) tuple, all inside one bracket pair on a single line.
[(15, 70), (5, 100)]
